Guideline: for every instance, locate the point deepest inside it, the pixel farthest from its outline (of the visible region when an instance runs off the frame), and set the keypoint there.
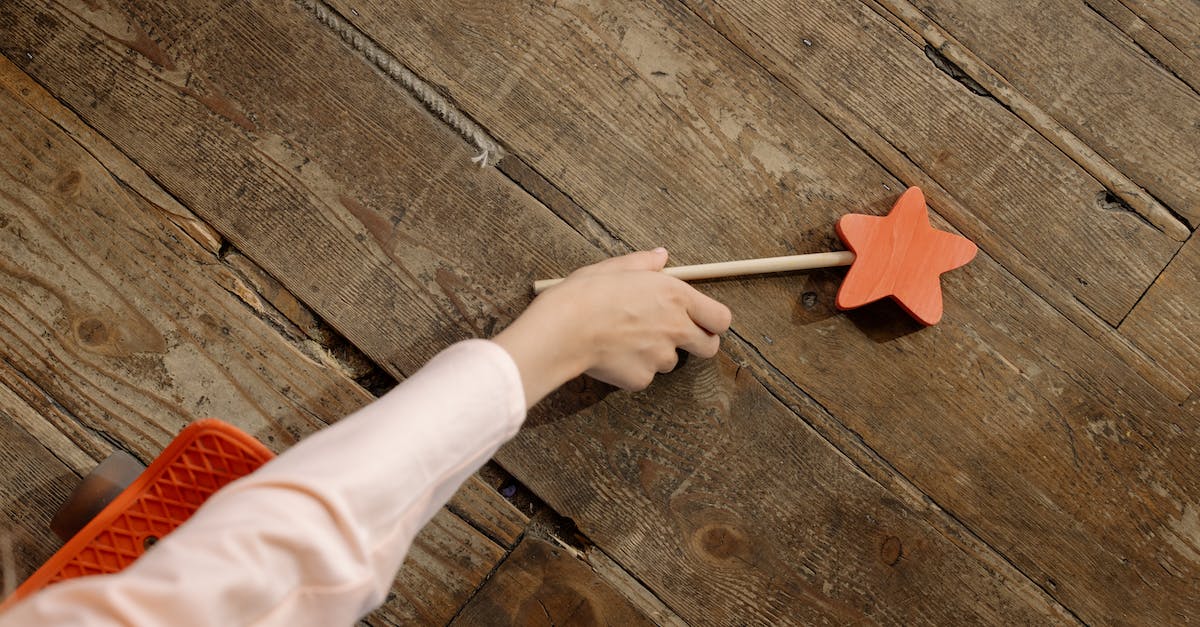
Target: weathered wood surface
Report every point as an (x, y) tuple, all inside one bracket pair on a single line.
[(736, 126), (35, 483), (400, 271), (1175, 58), (1003, 171), (1077, 66), (1175, 22), (124, 329), (1166, 323), (1010, 417), (732, 509), (952, 57), (675, 134), (541, 585)]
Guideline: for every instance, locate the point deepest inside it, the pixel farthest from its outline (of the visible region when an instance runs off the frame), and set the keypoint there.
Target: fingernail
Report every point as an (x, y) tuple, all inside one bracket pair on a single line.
[(660, 250)]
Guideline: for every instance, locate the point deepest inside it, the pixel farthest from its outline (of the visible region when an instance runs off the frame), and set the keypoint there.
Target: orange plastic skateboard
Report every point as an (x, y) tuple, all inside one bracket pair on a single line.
[(203, 458)]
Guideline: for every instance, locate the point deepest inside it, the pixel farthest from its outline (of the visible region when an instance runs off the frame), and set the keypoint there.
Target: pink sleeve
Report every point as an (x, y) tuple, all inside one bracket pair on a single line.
[(316, 536)]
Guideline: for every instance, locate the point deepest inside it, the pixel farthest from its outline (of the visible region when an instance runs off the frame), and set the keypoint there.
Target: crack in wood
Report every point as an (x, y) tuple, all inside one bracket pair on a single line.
[(761, 369), (960, 63), (896, 162), (953, 71), (834, 432)]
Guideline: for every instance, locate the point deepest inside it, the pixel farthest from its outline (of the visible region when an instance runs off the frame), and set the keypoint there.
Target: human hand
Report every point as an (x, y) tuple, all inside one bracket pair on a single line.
[(619, 320)]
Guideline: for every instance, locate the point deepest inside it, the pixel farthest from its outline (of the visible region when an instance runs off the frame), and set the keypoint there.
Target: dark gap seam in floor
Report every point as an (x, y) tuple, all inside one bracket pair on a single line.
[(508, 551), (33, 437), (954, 71), (1021, 279), (1149, 287), (764, 365), (62, 409), (1150, 55), (773, 373)]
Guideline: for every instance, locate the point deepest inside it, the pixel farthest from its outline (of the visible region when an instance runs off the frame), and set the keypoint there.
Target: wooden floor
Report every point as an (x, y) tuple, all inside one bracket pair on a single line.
[(268, 211)]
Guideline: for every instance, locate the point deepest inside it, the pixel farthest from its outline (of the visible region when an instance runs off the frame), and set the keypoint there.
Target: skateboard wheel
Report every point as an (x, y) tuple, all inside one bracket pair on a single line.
[(94, 492)]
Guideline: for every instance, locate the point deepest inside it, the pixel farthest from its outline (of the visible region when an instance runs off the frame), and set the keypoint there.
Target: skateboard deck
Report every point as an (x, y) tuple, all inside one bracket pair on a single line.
[(203, 458)]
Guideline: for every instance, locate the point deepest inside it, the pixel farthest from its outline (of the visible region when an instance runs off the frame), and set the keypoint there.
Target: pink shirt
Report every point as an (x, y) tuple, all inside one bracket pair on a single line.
[(314, 537)]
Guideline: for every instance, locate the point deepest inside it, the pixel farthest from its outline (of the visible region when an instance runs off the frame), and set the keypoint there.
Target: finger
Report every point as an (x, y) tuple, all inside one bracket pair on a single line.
[(667, 361), (652, 260), (701, 343), (707, 313)]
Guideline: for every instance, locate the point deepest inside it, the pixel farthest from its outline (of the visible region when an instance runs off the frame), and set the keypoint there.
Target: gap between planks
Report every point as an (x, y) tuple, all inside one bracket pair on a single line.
[(294, 321), (1146, 291), (117, 163), (1139, 200), (599, 235), (840, 438), (1145, 37), (267, 299), (896, 163)]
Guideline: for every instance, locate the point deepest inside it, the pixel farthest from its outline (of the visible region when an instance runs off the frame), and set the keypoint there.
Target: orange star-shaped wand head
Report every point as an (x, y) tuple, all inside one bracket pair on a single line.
[(901, 256)]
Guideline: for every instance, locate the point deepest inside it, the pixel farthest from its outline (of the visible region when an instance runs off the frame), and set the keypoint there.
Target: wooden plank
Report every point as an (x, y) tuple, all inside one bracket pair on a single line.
[(117, 164), (543, 585), (491, 514), (677, 115), (1176, 20), (730, 508), (413, 241), (125, 329), (953, 58), (1180, 59), (1000, 416), (34, 421), (33, 485), (1166, 323), (1078, 68)]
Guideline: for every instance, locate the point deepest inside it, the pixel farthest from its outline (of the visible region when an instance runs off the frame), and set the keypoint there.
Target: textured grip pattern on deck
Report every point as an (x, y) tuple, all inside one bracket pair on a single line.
[(204, 457)]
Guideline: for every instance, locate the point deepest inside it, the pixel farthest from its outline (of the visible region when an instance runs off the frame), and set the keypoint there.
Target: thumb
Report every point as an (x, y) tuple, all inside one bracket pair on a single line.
[(652, 260)]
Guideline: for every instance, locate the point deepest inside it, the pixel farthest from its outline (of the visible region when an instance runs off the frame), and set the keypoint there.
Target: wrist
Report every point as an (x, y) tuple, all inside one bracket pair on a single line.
[(548, 352)]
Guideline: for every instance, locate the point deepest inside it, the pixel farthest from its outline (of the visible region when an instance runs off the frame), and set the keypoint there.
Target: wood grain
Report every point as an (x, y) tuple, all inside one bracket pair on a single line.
[(682, 119), (117, 164), (123, 329), (1002, 170), (1174, 57), (1080, 69), (401, 268), (1176, 21), (397, 212), (1024, 424), (732, 510), (543, 585), (952, 57), (35, 483), (493, 516), (1166, 323)]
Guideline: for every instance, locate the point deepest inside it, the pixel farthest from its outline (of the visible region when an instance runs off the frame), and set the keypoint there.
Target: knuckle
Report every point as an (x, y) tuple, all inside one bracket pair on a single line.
[(714, 346), (641, 382)]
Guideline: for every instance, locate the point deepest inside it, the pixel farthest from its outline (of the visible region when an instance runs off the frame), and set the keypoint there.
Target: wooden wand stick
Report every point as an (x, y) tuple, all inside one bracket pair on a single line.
[(742, 267)]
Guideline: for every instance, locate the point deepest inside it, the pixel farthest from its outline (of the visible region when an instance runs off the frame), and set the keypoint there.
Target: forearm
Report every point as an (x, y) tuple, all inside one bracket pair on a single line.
[(316, 535)]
